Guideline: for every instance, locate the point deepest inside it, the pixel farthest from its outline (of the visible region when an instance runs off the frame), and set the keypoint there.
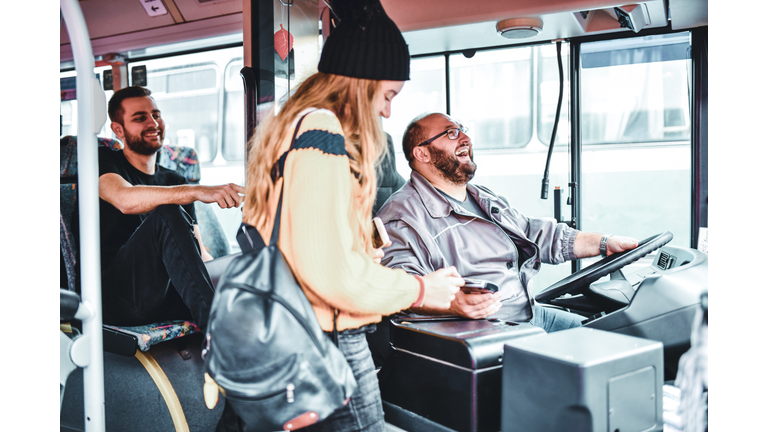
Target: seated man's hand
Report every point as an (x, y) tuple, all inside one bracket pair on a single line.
[(618, 244), (226, 196), (476, 306)]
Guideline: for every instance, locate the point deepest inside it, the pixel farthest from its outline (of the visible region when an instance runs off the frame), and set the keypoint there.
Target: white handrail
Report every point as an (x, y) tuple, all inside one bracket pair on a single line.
[(89, 94)]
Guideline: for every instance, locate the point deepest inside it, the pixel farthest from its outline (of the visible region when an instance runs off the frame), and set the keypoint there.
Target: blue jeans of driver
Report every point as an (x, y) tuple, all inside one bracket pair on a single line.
[(364, 411), (552, 320)]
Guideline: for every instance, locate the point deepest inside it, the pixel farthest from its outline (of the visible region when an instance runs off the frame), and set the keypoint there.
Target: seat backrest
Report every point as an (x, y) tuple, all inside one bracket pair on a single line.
[(69, 255), (388, 180), (181, 159)]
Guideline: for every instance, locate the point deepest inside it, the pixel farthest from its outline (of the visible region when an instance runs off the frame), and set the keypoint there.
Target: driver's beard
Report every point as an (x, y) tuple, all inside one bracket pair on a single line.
[(137, 144), (450, 167)]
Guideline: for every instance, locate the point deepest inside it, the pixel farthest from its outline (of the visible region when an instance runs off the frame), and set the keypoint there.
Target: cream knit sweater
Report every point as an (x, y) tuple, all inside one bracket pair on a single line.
[(316, 236)]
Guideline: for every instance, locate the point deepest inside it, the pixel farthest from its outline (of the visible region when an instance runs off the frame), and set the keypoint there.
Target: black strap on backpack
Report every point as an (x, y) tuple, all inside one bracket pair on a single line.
[(248, 237)]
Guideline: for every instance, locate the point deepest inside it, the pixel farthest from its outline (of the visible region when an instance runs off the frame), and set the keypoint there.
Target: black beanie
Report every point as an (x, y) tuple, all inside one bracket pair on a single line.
[(366, 43)]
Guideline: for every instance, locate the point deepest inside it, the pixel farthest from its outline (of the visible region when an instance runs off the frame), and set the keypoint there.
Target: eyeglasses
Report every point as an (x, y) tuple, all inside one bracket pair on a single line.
[(453, 134)]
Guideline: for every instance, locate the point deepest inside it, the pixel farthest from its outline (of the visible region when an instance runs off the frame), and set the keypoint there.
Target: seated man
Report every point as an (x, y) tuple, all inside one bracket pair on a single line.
[(438, 219), (152, 267)]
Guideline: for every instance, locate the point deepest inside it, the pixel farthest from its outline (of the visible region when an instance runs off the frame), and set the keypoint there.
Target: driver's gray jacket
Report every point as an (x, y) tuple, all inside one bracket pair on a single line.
[(502, 246)]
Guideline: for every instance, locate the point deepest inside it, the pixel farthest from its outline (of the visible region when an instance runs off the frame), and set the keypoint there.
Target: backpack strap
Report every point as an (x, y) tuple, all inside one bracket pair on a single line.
[(276, 225), (251, 239), (247, 236)]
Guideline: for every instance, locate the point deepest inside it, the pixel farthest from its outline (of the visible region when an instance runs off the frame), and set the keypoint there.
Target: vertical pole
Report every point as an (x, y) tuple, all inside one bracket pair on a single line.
[(575, 183), (258, 73), (447, 84), (88, 201), (699, 133), (247, 36)]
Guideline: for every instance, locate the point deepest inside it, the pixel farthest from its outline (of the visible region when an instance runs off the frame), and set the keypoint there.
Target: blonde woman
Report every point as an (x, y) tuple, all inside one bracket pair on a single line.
[(328, 182)]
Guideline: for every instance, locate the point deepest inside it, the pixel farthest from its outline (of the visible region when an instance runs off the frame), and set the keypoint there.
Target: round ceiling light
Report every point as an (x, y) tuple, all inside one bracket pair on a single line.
[(519, 28)]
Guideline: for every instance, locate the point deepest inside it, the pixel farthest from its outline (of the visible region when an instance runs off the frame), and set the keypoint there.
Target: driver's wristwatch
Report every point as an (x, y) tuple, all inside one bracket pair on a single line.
[(604, 245)]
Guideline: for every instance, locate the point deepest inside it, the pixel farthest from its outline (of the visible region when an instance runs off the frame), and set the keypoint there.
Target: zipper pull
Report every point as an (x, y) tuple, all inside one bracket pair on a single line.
[(210, 392), (207, 346), (289, 393)]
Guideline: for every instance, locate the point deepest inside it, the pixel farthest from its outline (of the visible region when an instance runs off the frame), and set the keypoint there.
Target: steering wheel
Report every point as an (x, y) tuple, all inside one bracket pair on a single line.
[(576, 282)]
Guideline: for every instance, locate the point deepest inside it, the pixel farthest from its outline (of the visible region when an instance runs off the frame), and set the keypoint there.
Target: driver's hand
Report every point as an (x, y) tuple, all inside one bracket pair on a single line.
[(618, 244), (476, 306)]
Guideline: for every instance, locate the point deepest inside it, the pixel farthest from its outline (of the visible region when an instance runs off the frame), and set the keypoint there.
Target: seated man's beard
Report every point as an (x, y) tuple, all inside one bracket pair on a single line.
[(137, 144), (453, 170)]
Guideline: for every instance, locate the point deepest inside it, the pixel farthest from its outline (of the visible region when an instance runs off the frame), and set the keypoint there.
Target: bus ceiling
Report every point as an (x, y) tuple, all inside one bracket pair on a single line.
[(118, 26)]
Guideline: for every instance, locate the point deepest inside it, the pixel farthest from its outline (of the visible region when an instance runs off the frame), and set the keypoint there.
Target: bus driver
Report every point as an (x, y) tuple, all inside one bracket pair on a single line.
[(151, 250), (438, 219)]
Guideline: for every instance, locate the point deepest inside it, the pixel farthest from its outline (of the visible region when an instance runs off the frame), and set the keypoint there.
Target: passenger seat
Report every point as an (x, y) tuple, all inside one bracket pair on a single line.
[(183, 160)]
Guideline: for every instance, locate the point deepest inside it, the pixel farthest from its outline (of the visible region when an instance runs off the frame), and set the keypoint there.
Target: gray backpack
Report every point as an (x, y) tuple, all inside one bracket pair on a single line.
[(265, 348)]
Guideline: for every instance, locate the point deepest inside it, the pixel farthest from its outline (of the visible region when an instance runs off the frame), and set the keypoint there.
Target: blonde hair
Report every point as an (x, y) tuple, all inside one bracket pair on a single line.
[(351, 100)]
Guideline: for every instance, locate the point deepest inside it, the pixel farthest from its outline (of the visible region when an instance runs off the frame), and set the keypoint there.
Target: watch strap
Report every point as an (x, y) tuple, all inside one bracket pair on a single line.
[(604, 245)]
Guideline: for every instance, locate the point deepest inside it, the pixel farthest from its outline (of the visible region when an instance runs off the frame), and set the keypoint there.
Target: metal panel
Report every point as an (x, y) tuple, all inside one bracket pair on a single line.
[(632, 401), (563, 381)]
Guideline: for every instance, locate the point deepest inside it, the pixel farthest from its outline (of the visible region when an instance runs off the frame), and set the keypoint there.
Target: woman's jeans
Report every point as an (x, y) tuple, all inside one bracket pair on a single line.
[(364, 411)]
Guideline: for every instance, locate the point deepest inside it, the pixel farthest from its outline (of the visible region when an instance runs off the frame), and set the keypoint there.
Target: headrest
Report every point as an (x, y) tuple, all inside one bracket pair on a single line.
[(68, 153), (181, 159)]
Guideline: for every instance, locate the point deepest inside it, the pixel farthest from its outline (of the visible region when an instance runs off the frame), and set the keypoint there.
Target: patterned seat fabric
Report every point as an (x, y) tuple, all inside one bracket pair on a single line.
[(184, 161), (150, 334), (181, 159)]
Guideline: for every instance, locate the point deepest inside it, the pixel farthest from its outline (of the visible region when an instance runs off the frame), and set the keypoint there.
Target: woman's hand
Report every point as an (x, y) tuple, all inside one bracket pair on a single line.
[(440, 288), (378, 254)]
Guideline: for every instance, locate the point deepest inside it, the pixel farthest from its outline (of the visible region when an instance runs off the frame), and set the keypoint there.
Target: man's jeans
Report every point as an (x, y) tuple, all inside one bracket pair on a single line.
[(552, 320), (158, 274)]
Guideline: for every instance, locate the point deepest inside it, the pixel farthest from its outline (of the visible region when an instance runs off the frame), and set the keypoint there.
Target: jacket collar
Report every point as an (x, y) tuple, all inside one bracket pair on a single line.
[(439, 206)]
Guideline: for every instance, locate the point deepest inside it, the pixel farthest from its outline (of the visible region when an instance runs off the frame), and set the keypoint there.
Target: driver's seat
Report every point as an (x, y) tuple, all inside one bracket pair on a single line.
[(388, 181)]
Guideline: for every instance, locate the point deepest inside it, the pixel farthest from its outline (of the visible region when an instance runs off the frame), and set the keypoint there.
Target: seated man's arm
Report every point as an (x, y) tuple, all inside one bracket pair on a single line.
[(558, 242), (588, 244), (410, 253), (130, 199)]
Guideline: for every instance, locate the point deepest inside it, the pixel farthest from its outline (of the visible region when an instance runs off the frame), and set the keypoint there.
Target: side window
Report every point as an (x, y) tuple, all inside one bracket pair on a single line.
[(188, 97), (68, 106), (636, 135), (548, 88), (424, 92), (636, 90), (234, 113), (491, 93)]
